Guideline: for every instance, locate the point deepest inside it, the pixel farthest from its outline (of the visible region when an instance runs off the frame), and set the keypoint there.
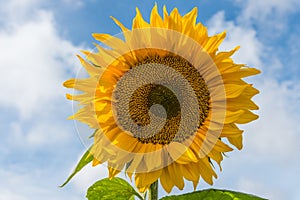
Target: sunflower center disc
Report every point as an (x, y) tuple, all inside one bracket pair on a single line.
[(159, 104)]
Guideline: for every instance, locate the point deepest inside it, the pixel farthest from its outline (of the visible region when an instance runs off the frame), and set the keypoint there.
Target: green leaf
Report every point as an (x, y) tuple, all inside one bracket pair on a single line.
[(115, 188), (211, 194), (85, 159)]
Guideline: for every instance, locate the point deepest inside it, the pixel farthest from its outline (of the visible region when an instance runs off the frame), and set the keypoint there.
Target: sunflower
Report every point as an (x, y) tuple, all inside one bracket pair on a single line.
[(162, 100)]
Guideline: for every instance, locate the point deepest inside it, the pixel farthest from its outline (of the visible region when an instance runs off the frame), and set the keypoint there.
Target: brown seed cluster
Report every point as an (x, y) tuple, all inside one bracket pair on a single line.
[(147, 95)]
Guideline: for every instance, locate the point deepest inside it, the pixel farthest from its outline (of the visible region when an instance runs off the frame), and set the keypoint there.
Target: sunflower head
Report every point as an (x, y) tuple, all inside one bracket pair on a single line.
[(162, 99)]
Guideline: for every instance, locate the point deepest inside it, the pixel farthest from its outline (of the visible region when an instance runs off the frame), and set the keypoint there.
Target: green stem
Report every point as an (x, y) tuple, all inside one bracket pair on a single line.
[(153, 193)]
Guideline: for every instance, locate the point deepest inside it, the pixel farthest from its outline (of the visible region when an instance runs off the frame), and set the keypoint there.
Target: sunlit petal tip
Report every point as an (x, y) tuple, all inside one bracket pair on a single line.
[(165, 12), (138, 13), (112, 172), (69, 96), (137, 10), (236, 48), (71, 117), (95, 162), (236, 141), (175, 12), (85, 52), (195, 184), (129, 175), (193, 12), (143, 189), (154, 10), (258, 71), (117, 22), (191, 17), (101, 37), (80, 58), (223, 34), (69, 83)]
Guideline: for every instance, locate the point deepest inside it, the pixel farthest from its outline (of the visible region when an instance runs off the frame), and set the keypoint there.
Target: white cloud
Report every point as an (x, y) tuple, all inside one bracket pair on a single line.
[(251, 47), (291, 62), (270, 17), (14, 12), (37, 135), (270, 158), (88, 176), (34, 62), (17, 12), (260, 10), (256, 187), (274, 136), (74, 3), (30, 185)]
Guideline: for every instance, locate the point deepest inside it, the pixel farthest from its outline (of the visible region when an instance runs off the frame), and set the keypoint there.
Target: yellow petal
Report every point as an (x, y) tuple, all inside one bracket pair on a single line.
[(97, 59), (143, 189), (191, 172), (144, 179), (247, 117), (105, 117), (216, 156), (102, 107), (95, 162), (213, 42), (241, 102), (175, 21), (222, 147), (225, 55), (190, 18), (177, 177), (249, 92), (233, 116), (115, 43), (153, 159), (92, 70), (230, 130), (166, 16), (134, 164), (123, 28), (199, 33), (87, 116), (125, 141), (166, 180), (233, 90), (155, 19), (70, 83), (113, 172), (206, 171), (237, 141), (228, 66), (126, 31), (138, 21), (181, 154), (241, 73)]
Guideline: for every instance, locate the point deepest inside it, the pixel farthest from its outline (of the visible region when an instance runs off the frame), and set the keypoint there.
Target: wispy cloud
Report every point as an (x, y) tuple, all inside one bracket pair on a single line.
[(36, 138), (268, 9), (237, 35), (33, 64)]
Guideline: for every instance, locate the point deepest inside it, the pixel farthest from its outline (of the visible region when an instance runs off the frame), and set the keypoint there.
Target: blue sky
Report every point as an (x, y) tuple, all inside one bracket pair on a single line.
[(38, 43)]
